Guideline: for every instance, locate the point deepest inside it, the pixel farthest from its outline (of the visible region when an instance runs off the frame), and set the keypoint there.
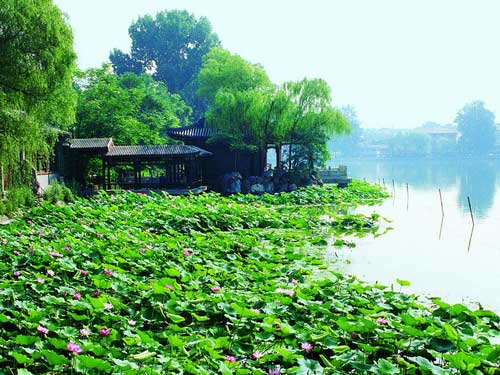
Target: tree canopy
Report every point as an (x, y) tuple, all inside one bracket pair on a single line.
[(477, 127), (130, 108), (223, 71), (36, 67), (170, 46)]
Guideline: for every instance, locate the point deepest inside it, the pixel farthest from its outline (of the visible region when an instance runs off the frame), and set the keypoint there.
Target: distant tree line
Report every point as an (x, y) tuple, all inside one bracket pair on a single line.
[(474, 133)]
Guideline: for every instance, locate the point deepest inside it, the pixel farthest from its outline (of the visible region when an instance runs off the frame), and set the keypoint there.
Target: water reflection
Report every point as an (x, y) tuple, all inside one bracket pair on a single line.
[(442, 256), (476, 179)]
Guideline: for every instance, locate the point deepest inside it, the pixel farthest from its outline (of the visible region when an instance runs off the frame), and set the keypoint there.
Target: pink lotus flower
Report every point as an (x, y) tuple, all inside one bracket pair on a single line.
[(276, 371), (142, 250), (169, 287), (382, 321), (31, 251), (55, 254), (29, 222), (96, 293), (215, 289), (307, 347), (84, 272), (108, 272), (288, 292), (187, 251), (257, 311), (131, 322), (17, 273), (256, 355), (66, 248), (15, 252), (105, 331), (108, 306), (77, 296), (230, 358), (42, 330), (40, 233), (50, 273), (74, 348), (84, 332), (40, 280)]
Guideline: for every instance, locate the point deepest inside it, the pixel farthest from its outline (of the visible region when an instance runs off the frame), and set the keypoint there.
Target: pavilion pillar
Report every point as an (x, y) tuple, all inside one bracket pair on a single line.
[(109, 177), (103, 173), (136, 175)]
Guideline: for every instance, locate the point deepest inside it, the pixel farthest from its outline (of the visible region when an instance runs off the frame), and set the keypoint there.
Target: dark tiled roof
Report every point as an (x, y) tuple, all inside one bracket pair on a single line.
[(90, 143), (197, 130), (163, 150)]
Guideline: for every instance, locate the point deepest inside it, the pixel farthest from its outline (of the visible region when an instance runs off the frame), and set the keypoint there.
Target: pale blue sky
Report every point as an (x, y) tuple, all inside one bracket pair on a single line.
[(398, 62)]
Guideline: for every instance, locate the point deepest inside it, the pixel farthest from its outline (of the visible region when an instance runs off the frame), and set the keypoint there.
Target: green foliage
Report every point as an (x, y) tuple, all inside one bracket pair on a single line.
[(224, 72), (477, 127), (171, 46), (36, 67), (58, 192), (207, 285), (132, 109), (309, 121), (18, 197)]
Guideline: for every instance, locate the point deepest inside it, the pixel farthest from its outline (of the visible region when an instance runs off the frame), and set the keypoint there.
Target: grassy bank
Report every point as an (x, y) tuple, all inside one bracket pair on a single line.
[(134, 284)]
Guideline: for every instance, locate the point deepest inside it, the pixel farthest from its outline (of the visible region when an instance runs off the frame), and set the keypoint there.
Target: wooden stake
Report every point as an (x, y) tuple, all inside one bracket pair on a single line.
[(441, 199), (407, 197), (393, 188), (470, 210)]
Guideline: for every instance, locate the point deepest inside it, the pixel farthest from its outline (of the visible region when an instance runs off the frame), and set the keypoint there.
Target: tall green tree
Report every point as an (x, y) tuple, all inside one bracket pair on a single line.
[(222, 70), (36, 68), (171, 46), (130, 108), (477, 127), (309, 122), (241, 101)]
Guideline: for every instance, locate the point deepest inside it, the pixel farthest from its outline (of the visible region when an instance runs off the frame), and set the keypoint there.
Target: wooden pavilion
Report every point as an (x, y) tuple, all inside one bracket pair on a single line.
[(222, 160), (110, 166)]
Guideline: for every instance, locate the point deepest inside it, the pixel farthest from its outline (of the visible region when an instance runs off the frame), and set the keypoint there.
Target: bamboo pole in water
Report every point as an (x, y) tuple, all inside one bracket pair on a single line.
[(470, 210), (407, 196), (441, 199)]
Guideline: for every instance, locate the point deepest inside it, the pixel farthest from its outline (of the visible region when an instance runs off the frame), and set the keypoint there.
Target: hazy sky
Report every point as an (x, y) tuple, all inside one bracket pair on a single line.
[(398, 62)]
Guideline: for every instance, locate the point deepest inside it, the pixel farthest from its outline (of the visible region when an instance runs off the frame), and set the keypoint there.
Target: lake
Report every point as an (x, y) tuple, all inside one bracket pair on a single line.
[(443, 256)]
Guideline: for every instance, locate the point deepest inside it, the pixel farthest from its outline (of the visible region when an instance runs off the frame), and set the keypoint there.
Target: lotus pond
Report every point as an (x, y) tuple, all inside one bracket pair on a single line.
[(136, 284)]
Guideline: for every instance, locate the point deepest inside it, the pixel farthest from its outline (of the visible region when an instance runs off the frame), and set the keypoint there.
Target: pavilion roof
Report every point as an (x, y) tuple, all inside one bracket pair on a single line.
[(90, 143), (155, 151), (196, 130)]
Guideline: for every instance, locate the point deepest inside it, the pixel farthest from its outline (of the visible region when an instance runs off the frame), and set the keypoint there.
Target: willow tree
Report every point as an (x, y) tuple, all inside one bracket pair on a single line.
[(308, 122), (239, 95), (36, 67)]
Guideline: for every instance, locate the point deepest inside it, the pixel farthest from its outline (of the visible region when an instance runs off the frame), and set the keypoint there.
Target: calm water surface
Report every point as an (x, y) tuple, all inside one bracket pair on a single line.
[(441, 256)]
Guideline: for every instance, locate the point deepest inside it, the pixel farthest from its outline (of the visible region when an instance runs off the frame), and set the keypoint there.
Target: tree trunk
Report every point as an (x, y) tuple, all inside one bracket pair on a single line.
[(278, 156)]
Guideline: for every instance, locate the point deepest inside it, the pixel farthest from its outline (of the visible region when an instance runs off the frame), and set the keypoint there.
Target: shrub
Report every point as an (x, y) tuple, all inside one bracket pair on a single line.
[(58, 192)]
